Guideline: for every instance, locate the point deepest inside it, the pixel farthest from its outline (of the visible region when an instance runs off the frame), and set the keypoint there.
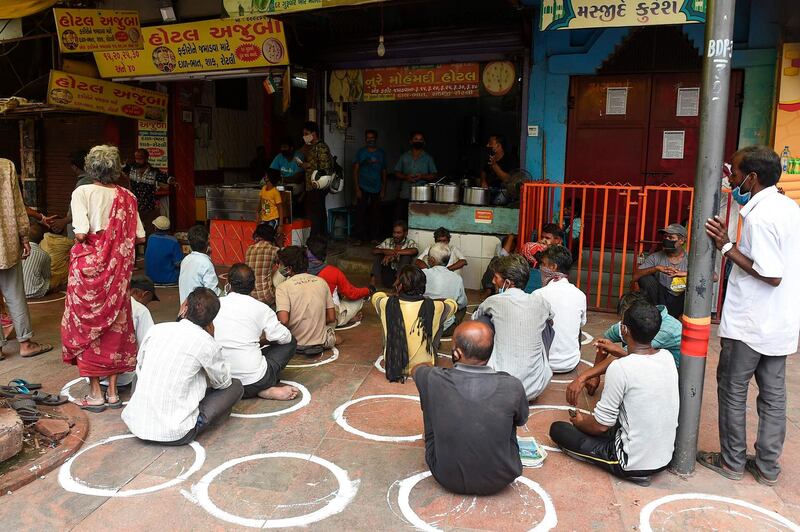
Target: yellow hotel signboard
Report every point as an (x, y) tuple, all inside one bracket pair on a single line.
[(91, 30), (204, 46), (578, 14), (241, 8), (99, 96)]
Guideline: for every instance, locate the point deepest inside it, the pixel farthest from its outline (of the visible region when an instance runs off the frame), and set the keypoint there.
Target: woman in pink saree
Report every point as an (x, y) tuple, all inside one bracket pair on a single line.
[(97, 328)]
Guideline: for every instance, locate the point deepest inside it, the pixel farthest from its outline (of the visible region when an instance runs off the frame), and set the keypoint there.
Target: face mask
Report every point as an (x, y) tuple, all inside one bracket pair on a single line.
[(284, 271), (503, 288), (669, 245), (739, 197), (550, 275), (308, 138), (227, 288), (371, 142), (287, 154), (417, 145)]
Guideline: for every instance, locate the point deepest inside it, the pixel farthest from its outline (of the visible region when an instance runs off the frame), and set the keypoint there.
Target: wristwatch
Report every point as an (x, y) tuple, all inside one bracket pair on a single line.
[(726, 248)]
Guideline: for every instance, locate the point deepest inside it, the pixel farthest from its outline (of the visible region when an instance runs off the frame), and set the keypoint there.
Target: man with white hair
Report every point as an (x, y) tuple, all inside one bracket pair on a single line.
[(443, 283)]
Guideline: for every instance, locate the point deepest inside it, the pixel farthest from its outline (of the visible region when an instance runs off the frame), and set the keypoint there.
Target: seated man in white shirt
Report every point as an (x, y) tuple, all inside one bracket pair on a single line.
[(443, 283), (197, 268), (184, 384), (457, 259), (569, 308), (631, 433), (238, 329), (143, 292)]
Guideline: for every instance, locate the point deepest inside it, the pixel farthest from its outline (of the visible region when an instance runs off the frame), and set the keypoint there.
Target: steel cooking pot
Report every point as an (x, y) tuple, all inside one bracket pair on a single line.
[(476, 196), (421, 192), (447, 193)]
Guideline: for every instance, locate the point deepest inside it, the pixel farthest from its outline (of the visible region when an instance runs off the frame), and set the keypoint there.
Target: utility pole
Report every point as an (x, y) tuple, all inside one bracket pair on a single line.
[(718, 50)]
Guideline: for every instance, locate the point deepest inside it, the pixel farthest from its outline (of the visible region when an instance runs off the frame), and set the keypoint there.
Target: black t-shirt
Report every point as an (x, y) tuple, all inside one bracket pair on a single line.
[(471, 414), (507, 164)]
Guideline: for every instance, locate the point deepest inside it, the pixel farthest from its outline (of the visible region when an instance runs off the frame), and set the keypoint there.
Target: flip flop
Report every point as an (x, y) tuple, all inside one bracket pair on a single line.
[(13, 392), (22, 383), (26, 409), (43, 348), (714, 462), (85, 405), (48, 399), (114, 404)]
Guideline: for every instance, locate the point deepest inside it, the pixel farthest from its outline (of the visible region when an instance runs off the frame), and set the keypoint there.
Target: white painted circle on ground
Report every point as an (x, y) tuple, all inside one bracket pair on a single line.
[(349, 326), (62, 298), (647, 511), (555, 407), (303, 402), (346, 492), (74, 485), (564, 381), (446, 339), (334, 356), (65, 391), (587, 338), (341, 420), (473, 306), (404, 495)]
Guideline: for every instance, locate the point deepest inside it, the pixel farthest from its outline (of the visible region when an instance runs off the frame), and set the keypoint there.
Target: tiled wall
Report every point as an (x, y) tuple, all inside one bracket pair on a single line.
[(478, 249)]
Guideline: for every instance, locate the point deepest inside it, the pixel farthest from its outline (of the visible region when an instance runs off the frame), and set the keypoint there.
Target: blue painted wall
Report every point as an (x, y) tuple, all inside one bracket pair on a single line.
[(555, 58)]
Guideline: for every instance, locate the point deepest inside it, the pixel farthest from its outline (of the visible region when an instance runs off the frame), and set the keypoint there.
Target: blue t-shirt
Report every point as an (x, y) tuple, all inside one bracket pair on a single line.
[(409, 166), (371, 165), (286, 167), (162, 258), (534, 281), (668, 336)]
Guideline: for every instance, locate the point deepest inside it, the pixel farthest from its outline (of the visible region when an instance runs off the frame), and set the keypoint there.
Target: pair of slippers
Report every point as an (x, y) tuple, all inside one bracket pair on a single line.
[(43, 348), (89, 407), (26, 409), (22, 389)]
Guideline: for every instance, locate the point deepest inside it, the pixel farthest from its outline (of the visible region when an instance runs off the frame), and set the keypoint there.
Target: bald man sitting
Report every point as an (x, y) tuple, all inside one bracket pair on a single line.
[(471, 413)]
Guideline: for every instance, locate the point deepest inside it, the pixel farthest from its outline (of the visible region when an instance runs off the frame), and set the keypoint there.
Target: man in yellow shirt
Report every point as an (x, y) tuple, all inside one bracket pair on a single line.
[(270, 205)]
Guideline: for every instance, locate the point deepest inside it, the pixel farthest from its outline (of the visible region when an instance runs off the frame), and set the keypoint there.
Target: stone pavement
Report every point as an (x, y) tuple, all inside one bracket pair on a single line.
[(267, 469)]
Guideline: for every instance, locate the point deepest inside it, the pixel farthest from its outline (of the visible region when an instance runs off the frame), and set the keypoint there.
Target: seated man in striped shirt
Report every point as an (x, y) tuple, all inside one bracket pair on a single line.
[(184, 385), (36, 268)]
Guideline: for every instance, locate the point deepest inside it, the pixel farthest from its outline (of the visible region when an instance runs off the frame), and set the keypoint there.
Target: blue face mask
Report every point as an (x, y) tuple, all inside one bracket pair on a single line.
[(739, 197)]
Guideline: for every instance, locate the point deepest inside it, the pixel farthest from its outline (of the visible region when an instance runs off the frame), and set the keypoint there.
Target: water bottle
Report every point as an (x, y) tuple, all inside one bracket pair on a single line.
[(785, 159)]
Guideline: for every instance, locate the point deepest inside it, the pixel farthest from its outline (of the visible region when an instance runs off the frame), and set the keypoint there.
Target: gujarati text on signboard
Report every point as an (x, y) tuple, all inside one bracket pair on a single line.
[(240, 8), (153, 138), (458, 80), (204, 46), (91, 30), (576, 14), (100, 96)]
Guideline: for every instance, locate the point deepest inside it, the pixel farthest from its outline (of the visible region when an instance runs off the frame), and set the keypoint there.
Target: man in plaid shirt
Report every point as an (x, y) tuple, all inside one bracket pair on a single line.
[(262, 258)]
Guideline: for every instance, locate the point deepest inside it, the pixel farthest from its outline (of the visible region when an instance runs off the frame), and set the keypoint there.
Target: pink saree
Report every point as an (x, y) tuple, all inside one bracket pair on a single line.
[(97, 328)]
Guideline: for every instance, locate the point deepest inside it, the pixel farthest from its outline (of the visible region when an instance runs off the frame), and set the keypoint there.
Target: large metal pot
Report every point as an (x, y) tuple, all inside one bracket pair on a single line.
[(447, 193), (476, 196), (421, 192)]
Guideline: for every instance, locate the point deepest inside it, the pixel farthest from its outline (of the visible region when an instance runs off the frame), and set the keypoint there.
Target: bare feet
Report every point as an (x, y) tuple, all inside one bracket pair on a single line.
[(279, 393)]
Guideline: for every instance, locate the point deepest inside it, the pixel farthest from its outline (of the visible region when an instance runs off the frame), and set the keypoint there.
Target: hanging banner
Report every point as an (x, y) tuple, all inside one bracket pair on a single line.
[(99, 96), (90, 30), (787, 119), (241, 8), (153, 138), (458, 80), (204, 46), (576, 14)]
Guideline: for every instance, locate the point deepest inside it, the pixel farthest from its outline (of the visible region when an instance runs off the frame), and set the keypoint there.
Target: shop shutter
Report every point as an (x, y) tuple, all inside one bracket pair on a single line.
[(65, 134)]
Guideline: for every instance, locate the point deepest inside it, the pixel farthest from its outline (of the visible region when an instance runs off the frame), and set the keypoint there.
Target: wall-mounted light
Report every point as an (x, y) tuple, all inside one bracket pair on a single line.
[(381, 47), (167, 11)]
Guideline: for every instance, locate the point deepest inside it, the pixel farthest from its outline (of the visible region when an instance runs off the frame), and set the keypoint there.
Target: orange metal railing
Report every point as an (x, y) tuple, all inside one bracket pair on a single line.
[(608, 228)]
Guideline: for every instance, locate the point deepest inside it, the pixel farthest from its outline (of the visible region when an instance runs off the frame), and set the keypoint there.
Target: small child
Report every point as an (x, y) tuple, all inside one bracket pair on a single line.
[(270, 205), (197, 269)]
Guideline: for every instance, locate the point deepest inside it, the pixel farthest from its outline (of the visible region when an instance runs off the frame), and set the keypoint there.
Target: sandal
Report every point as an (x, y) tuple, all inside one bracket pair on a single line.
[(86, 405), (13, 392), (48, 399), (714, 462), (43, 348), (22, 383), (114, 404), (26, 409)]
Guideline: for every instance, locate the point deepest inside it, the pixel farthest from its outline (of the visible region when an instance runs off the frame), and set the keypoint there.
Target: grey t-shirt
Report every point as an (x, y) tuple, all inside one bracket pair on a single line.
[(470, 415), (641, 393), (676, 285)]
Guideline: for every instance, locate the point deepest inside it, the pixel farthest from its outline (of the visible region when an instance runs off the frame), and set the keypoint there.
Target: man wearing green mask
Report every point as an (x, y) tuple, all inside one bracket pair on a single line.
[(662, 275)]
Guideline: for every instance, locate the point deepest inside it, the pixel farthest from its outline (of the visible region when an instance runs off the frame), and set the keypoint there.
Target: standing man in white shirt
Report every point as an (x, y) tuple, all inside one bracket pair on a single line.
[(569, 308), (197, 268), (631, 433), (760, 317), (238, 329), (184, 384), (444, 283)]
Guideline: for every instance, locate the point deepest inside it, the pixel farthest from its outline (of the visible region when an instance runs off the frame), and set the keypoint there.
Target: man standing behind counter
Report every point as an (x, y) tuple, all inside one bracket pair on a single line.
[(414, 166), (500, 164), (369, 172)]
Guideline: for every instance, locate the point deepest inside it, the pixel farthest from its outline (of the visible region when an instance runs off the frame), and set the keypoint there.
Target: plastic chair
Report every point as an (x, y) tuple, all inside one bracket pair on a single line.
[(333, 214)]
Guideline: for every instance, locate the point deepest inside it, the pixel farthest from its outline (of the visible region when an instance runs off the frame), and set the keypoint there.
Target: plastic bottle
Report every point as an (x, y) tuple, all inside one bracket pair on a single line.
[(785, 156)]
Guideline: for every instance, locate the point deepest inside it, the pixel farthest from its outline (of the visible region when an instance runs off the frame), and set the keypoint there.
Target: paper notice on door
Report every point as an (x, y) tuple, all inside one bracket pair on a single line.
[(616, 100), (673, 142), (688, 102)]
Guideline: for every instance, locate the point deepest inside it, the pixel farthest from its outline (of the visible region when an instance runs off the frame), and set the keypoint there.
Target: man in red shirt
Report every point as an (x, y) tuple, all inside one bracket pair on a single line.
[(348, 298)]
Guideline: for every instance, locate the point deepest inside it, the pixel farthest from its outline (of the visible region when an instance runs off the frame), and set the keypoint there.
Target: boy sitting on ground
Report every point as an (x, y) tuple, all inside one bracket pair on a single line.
[(163, 255), (197, 270), (36, 268)]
